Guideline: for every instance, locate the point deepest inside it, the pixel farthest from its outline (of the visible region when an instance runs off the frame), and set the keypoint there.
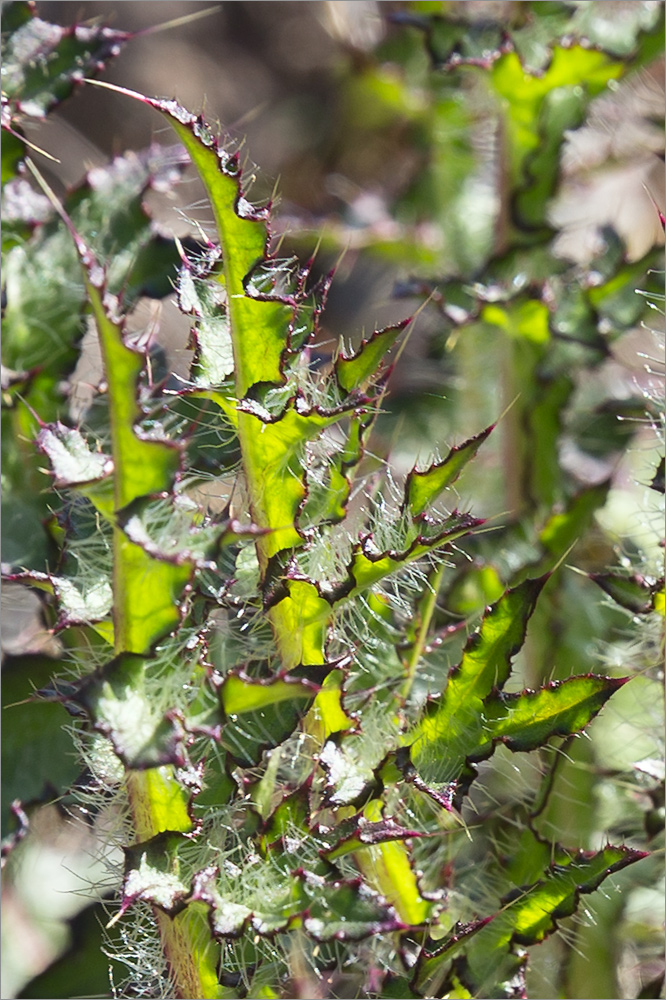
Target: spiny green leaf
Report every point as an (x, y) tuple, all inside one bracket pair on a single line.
[(164, 803), (274, 451), (151, 874), (258, 326), (368, 833), (328, 714), (368, 566), (527, 720), (301, 618), (116, 699), (423, 487), (383, 858), (146, 595), (42, 62), (354, 370), (454, 723), (72, 460), (146, 590), (326, 910), (240, 693), (491, 955), (581, 71), (141, 466)]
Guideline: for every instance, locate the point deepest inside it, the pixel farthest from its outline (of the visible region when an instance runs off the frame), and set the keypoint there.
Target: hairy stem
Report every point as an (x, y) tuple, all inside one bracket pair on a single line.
[(427, 612)]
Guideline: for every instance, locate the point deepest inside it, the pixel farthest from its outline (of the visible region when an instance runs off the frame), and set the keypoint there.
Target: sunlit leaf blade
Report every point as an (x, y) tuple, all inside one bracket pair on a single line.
[(274, 450), (146, 590), (258, 325), (368, 566), (164, 803), (383, 858), (302, 617), (354, 370), (328, 714), (491, 955), (454, 723), (423, 487), (240, 693), (146, 607), (522, 722), (141, 466), (528, 720)]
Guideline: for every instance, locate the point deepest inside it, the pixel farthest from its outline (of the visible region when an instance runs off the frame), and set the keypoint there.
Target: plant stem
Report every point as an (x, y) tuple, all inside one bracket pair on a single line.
[(427, 611)]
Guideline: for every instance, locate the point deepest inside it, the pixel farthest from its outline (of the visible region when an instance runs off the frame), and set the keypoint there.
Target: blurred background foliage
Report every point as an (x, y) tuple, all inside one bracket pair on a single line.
[(412, 152)]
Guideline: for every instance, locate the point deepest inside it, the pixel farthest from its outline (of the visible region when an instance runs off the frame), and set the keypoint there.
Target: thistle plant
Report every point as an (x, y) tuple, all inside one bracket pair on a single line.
[(281, 729)]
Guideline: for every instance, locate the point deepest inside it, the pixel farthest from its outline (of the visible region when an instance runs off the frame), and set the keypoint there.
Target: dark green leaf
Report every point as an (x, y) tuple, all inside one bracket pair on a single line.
[(631, 592), (36, 751)]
